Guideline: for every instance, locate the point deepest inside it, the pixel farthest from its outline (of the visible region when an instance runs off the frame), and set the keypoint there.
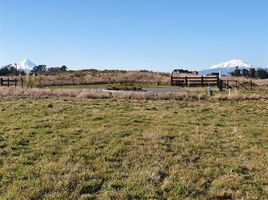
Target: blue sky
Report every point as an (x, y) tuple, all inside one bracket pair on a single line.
[(157, 35)]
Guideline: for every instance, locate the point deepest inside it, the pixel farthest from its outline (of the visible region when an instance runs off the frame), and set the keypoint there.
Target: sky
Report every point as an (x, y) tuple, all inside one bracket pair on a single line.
[(157, 35)]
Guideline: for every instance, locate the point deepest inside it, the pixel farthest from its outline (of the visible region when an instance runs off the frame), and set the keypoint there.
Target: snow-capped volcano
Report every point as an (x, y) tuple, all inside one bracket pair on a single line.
[(232, 63), (25, 65), (227, 67)]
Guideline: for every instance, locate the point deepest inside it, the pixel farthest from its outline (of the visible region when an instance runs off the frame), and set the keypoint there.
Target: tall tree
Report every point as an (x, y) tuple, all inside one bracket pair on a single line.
[(252, 72), (236, 72), (8, 70), (39, 69), (64, 68), (245, 72)]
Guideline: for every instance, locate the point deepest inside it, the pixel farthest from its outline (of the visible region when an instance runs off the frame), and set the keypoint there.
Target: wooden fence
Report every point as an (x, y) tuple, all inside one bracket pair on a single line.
[(8, 82), (197, 81), (237, 84), (201, 81)]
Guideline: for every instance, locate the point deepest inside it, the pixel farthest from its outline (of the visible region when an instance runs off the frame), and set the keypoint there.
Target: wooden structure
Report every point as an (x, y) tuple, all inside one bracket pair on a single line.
[(237, 84), (9, 82), (184, 72), (202, 81), (197, 81)]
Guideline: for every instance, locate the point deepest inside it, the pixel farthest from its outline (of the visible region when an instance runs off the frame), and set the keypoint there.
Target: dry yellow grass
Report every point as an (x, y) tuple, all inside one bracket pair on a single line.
[(257, 82), (89, 77), (37, 93), (40, 93)]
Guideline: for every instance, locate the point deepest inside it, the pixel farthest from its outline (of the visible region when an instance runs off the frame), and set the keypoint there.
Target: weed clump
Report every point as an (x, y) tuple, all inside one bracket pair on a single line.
[(91, 186)]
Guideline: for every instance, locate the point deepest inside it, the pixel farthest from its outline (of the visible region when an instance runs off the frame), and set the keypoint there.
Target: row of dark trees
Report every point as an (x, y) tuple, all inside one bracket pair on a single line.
[(43, 69), (10, 70), (252, 73), (39, 69)]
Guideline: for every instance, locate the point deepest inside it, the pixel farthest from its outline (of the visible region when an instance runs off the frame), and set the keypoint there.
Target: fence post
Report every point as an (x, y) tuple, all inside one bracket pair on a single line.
[(16, 82), (209, 91), (8, 82), (220, 84), (21, 82), (251, 84), (202, 81), (171, 80), (186, 81), (1, 81)]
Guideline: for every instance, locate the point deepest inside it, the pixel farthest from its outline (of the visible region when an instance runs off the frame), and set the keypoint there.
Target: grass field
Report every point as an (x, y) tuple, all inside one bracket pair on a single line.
[(142, 85), (88, 77), (145, 85), (133, 149)]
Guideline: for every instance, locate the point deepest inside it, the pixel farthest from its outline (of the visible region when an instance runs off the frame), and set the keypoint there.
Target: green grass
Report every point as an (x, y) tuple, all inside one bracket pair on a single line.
[(78, 86), (127, 149), (125, 87)]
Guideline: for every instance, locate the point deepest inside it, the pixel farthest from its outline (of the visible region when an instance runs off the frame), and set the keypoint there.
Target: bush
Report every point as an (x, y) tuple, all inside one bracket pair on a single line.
[(236, 72), (39, 69), (32, 82), (125, 86), (8, 70), (91, 186), (261, 73)]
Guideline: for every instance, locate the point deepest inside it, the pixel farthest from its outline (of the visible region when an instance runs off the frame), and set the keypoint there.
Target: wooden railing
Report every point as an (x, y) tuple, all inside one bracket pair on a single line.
[(202, 81), (198, 81), (237, 84), (10, 82)]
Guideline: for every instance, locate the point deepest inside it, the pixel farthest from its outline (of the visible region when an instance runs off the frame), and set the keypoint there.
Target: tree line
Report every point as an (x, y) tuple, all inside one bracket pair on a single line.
[(251, 73), (41, 69), (10, 70)]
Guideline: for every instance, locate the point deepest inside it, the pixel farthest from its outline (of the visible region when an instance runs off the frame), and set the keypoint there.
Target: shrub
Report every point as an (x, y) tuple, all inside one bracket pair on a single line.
[(91, 186), (261, 73)]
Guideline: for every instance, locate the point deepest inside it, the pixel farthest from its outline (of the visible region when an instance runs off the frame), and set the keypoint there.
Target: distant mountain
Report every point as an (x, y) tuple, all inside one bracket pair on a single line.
[(232, 64), (25, 65), (227, 67)]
